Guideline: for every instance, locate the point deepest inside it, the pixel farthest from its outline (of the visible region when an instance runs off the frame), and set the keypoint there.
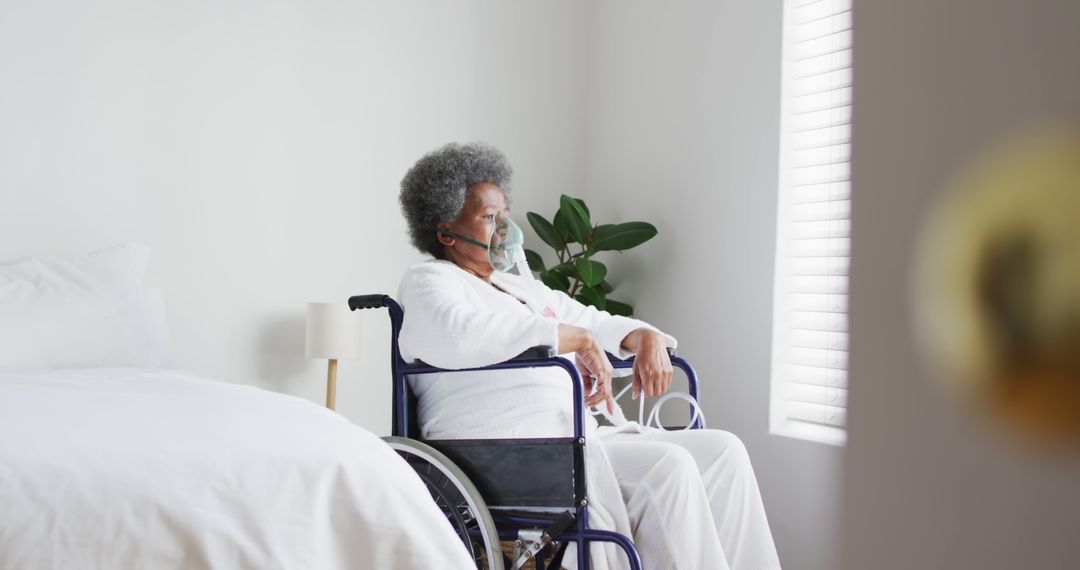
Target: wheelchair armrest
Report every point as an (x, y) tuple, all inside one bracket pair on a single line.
[(541, 351)]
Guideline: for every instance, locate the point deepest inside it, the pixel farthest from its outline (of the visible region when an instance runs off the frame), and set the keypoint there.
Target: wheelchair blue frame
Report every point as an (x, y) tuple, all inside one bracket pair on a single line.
[(404, 425)]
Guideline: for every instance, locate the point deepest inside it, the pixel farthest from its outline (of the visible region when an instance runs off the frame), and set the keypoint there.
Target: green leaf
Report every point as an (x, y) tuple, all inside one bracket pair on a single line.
[(566, 269), (555, 281), (617, 308), (619, 237), (591, 296), (583, 206), (536, 263), (606, 287), (576, 218), (545, 230), (560, 228), (591, 272)]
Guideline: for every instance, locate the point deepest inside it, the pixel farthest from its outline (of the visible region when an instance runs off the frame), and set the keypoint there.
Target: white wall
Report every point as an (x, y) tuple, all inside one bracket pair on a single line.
[(928, 485), (257, 147), (683, 132)]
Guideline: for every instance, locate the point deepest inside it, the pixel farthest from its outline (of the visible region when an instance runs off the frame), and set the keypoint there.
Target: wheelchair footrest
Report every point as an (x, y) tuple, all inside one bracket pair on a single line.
[(533, 472), (532, 541)]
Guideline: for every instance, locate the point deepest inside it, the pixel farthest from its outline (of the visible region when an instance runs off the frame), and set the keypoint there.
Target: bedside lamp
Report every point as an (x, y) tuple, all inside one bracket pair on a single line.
[(333, 333)]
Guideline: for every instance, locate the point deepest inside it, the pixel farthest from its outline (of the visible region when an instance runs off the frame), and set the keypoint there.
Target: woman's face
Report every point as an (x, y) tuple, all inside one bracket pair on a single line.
[(476, 220)]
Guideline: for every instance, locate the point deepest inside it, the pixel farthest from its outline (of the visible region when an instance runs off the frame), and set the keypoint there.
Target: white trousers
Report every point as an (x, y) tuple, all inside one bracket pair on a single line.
[(690, 499)]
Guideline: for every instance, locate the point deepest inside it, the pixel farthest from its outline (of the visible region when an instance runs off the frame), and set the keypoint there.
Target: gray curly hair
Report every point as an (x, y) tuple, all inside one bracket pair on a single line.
[(434, 189)]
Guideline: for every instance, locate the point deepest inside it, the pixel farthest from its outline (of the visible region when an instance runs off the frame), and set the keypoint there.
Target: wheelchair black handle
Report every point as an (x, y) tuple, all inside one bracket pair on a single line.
[(376, 301)]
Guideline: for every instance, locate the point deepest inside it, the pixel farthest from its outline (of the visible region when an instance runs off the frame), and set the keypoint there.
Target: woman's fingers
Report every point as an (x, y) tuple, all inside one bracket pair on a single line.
[(592, 361), (652, 374), (609, 397), (602, 394), (665, 374), (597, 394), (644, 378), (586, 374)]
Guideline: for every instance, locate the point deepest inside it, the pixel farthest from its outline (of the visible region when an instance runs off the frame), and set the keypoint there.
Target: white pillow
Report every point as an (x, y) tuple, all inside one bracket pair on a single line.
[(162, 353), (76, 311)]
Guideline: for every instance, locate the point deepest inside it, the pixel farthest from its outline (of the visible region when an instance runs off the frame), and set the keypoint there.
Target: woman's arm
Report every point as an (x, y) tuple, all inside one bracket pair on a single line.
[(444, 327), (611, 330), (625, 337)]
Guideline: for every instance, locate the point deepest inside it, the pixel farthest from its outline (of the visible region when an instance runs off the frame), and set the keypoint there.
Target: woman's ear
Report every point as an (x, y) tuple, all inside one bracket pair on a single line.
[(444, 239)]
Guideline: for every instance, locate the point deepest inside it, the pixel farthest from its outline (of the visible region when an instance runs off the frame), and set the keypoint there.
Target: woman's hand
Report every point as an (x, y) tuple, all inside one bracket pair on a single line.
[(597, 389), (652, 365), (591, 360)]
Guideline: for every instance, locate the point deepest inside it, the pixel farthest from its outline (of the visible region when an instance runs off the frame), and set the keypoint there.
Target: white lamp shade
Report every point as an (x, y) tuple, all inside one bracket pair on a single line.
[(333, 331)]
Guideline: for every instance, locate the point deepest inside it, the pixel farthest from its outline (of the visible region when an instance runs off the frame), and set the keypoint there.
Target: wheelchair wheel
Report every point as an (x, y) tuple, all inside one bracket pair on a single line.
[(458, 499)]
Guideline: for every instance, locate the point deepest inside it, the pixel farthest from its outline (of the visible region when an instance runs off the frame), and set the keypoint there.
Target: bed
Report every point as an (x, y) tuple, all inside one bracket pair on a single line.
[(151, 467)]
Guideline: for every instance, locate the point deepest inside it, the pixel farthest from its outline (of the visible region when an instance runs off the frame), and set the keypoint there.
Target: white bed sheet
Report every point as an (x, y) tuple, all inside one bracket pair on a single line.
[(144, 468)]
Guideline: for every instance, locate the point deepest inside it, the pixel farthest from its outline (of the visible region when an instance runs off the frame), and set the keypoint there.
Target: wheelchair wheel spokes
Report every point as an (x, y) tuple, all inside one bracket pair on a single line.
[(454, 505), (457, 498)]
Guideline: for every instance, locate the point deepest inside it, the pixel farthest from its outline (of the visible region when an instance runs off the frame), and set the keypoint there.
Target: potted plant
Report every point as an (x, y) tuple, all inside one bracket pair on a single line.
[(576, 240)]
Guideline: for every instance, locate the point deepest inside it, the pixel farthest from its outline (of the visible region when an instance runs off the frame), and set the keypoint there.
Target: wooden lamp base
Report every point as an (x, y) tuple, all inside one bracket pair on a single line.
[(331, 383)]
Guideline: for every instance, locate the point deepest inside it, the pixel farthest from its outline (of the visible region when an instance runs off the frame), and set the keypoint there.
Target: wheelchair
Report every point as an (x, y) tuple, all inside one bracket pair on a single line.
[(530, 491)]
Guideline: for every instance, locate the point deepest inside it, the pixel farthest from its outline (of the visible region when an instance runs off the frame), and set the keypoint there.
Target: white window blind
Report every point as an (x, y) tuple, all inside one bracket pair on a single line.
[(810, 338)]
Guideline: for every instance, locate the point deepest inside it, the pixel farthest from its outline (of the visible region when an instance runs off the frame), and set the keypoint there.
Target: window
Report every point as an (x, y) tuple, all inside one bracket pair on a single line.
[(810, 339)]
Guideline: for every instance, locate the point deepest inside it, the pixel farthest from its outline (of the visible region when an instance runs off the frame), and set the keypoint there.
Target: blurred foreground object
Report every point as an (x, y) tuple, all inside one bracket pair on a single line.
[(998, 290)]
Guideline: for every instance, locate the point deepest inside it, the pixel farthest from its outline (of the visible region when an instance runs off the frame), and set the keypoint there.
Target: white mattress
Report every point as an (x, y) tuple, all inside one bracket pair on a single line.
[(139, 468)]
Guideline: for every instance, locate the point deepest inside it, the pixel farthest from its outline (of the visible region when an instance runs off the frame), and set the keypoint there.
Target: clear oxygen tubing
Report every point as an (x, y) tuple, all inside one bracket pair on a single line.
[(654, 414)]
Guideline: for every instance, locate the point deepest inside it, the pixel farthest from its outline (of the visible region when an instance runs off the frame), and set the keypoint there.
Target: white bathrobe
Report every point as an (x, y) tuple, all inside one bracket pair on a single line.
[(689, 500)]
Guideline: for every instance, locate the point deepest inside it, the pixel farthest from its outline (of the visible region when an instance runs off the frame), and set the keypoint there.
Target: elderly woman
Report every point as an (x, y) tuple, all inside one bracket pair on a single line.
[(689, 499)]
